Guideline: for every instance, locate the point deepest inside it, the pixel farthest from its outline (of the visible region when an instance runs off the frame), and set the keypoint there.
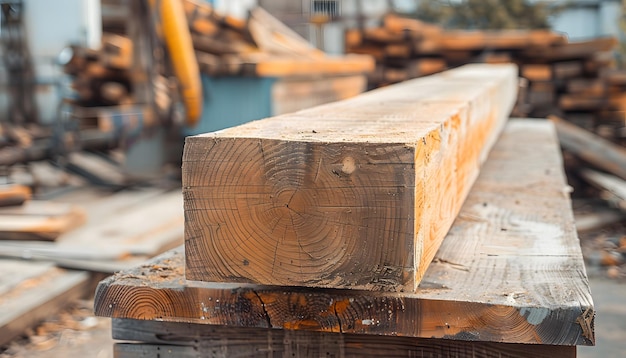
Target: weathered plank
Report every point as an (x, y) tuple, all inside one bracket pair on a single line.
[(32, 292), (354, 194), (599, 218), (119, 228), (39, 220), (610, 183), (171, 339), (591, 148), (147, 225), (14, 194), (514, 240)]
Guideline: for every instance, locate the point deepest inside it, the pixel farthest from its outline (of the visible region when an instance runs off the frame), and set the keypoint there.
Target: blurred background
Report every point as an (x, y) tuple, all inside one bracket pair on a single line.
[(97, 96)]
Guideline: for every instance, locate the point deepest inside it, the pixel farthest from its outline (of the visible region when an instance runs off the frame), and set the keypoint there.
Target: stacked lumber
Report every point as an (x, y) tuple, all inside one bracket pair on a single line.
[(575, 80), (25, 219), (261, 46), (314, 233), (508, 240), (101, 78), (407, 48), (40, 278), (111, 85), (601, 165)]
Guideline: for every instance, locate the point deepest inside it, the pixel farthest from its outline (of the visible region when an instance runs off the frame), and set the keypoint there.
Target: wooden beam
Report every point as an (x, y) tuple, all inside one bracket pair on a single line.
[(276, 66), (514, 240), (610, 183), (591, 148), (572, 50), (599, 218), (195, 340), (355, 194), (39, 220), (14, 194), (537, 72), (292, 94)]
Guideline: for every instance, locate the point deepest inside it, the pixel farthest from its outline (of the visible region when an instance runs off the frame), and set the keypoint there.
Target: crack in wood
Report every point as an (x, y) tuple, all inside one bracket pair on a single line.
[(337, 316), (585, 320), (265, 313)]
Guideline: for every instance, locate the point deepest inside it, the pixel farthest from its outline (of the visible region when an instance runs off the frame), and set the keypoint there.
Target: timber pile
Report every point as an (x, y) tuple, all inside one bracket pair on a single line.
[(602, 165), (39, 278), (574, 80), (225, 46), (499, 242), (260, 46), (310, 234), (25, 219), (102, 78)]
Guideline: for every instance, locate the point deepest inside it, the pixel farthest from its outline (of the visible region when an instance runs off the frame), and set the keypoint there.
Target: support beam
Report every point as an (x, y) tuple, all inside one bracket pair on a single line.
[(510, 270), (354, 194)]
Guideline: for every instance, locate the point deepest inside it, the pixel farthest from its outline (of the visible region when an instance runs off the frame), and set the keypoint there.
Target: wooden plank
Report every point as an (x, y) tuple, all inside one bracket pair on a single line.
[(610, 183), (498, 40), (497, 57), (537, 72), (14, 194), (195, 340), (598, 219), (39, 220), (425, 67), (514, 239), (272, 36), (284, 66), (591, 148), (401, 50), (576, 102), (341, 195), (567, 69), (36, 297), (384, 36), (145, 228), (116, 229), (594, 87), (294, 94), (117, 51), (572, 50)]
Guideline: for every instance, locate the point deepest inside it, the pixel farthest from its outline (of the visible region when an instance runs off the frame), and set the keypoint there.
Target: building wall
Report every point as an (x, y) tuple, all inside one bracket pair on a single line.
[(584, 19)]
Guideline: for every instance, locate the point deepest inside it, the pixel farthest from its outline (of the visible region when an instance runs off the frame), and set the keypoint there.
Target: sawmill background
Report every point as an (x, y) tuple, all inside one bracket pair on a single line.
[(93, 119)]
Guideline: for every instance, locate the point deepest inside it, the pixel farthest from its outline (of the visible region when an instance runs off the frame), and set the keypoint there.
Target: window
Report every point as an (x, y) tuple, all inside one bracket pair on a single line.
[(327, 8)]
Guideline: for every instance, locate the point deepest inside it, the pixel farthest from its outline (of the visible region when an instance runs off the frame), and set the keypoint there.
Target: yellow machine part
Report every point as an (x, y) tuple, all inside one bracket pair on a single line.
[(177, 38)]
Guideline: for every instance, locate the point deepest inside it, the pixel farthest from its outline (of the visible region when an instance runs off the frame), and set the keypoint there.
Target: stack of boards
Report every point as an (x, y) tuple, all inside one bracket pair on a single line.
[(108, 81), (317, 233), (575, 80)]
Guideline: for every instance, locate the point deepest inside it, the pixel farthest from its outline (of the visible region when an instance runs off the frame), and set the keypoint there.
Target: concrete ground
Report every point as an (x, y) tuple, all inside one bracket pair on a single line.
[(609, 298)]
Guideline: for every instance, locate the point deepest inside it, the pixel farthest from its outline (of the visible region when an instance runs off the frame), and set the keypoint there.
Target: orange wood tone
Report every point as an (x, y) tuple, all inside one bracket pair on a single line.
[(354, 194)]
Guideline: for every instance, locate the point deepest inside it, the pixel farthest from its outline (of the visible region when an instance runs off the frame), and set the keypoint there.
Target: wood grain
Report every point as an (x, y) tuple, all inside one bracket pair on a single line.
[(195, 340), (514, 240), (354, 194)]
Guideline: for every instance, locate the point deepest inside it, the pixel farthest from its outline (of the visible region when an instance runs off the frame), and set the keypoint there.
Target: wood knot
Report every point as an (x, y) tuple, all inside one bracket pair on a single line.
[(348, 165)]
